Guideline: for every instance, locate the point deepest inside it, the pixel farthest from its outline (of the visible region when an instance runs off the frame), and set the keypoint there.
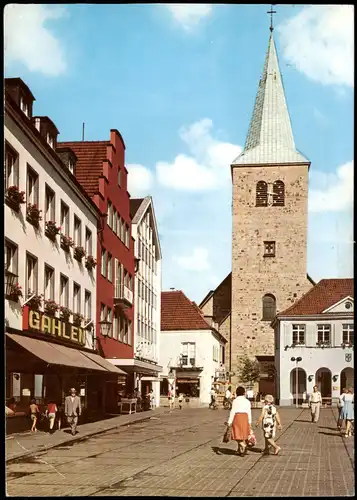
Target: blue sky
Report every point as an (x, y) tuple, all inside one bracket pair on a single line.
[(179, 82)]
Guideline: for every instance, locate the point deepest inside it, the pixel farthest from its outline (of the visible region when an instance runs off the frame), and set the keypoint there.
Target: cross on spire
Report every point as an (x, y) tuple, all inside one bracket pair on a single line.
[(271, 12)]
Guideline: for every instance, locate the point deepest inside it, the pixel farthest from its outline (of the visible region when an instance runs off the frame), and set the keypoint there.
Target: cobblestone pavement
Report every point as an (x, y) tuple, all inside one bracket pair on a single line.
[(182, 454)]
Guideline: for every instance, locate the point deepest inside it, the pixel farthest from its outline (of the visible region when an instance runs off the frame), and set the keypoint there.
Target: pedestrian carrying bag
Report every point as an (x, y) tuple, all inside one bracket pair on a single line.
[(227, 436)]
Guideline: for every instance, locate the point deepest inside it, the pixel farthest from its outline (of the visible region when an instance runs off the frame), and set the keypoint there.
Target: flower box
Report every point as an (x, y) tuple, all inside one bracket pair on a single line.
[(66, 242), (52, 230), (15, 293), (33, 215), (79, 253), (90, 262), (51, 307), (77, 319), (14, 197), (36, 301), (65, 313)]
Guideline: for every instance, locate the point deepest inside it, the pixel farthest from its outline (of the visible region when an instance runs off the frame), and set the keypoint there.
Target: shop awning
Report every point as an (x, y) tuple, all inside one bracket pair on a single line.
[(138, 366), (56, 354)]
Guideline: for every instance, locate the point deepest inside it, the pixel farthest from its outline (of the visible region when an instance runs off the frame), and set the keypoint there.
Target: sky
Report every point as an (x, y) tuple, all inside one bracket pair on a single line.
[(179, 82)]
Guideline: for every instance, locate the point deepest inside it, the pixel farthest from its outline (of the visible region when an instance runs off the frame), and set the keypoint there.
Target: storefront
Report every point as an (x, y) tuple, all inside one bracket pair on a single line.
[(49, 357)]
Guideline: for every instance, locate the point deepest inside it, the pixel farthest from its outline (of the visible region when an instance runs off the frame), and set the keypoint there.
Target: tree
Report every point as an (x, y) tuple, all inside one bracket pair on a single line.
[(248, 370)]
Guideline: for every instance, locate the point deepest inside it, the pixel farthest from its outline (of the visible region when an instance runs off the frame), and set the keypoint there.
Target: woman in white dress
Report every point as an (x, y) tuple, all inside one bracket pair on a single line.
[(347, 412), (270, 418)]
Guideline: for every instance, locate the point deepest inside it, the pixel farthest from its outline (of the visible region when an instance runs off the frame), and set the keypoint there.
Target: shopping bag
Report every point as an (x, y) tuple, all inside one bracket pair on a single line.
[(227, 436), (252, 440)]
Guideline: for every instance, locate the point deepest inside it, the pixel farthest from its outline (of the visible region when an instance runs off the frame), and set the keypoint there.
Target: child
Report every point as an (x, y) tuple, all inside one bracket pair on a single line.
[(34, 413), (270, 417), (180, 400)]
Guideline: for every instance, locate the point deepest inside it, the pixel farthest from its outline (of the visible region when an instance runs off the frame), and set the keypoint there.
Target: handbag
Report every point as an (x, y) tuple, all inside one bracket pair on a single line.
[(227, 436), (252, 440)]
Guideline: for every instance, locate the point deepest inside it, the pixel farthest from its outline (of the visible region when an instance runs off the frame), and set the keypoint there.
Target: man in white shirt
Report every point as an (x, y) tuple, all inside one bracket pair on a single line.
[(228, 396), (315, 404), (213, 398)]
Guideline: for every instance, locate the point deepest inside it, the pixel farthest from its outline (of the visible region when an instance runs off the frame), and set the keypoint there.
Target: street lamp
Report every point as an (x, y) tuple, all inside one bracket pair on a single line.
[(297, 360), (105, 327)]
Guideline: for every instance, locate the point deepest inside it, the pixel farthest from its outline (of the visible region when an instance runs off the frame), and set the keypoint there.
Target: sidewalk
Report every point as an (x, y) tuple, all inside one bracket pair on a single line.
[(24, 444)]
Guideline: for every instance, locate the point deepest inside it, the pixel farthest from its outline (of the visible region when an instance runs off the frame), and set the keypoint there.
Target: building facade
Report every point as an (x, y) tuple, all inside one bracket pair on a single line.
[(147, 297), (101, 171), (270, 214), (192, 352), (318, 330), (50, 236)]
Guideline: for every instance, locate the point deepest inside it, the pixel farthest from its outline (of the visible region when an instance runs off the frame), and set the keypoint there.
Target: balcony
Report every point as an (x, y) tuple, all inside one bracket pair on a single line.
[(123, 296)]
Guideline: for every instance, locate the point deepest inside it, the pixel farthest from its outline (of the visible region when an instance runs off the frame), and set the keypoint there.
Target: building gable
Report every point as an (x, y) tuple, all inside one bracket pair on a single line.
[(345, 305)]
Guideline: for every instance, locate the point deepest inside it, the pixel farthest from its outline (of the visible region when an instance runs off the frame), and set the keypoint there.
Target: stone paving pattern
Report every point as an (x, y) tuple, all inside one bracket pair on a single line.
[(182, 454)]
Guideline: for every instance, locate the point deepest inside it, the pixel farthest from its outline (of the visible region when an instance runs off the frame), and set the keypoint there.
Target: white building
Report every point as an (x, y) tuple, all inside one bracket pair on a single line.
[(45, 205), (192, 352), (147, 300), (318, 332)]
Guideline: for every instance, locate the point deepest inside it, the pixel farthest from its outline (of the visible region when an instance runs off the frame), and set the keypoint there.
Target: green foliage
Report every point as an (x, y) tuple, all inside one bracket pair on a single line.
[(248, 370)]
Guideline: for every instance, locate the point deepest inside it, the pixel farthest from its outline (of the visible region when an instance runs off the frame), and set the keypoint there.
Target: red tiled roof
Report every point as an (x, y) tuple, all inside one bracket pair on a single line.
[(89, 166), (322, 296), (179, 313)]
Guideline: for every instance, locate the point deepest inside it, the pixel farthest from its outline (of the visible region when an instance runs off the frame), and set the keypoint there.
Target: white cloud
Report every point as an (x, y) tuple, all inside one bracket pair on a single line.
[(189, 15), (140, 180), (335, 192), (319, 41), (197, 261), (207, 168), (30, 42)]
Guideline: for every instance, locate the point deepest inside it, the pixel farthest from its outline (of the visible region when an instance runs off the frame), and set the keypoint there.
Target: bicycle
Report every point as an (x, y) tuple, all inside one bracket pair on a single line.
[(227, 404)]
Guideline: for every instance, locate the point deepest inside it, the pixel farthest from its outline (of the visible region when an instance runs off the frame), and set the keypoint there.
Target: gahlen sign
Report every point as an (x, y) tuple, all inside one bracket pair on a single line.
[(49, 325)]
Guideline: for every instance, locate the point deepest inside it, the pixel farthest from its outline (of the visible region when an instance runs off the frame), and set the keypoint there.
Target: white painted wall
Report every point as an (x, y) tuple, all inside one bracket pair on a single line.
[(313, 357), (23, 234), (205, 340)]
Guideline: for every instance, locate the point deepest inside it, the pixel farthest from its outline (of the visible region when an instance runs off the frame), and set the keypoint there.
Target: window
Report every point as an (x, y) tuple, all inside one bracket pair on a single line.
[(110, 214), (127, 235), (269, 307), (11, 167), (114, 226), (278, 194), (102, 312), (347, 333), (24, 106), (50, 214), (71, 165), (115, 326), (324, 334), (104, 263), (261, 199), (223, 354), (31, 274), (130, 333), (119, 177), (110, 267), (88, 247), (49, 293), (126, 331), (32, 186), (77, 232), (11, 257), (64, 291), (269, 248), (87, 305), (76, 298), (110, 319), (64, 218), (49, 139), (121, 329), (299, 334), (188, 353)]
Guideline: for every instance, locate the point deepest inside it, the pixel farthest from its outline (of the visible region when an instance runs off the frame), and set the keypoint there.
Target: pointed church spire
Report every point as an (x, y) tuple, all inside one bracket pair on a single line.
[(270, 138)]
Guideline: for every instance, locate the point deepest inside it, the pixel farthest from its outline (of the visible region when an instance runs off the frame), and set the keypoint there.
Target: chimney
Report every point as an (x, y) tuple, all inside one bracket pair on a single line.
[(47, 129), (68, 158), (20, 94)]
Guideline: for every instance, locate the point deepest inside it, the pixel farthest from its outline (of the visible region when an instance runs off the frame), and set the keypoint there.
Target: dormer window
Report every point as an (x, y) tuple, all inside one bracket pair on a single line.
[(71, 165), (24, 106), (49, 139)]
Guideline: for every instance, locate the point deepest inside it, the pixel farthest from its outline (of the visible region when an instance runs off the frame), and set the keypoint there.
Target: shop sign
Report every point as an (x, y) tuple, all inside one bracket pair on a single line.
[(49, 325)]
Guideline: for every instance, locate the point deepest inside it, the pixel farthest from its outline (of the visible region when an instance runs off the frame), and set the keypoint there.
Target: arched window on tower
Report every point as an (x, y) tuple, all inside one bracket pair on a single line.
[(261, 194), (278, 194), (269, 307)]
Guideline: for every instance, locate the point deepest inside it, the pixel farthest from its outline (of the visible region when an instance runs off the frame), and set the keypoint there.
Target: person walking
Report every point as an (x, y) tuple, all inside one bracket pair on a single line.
[(228, 398), (72, 410), (269, 418), (34, 414), (152, 399), (51, 414), (347, 412), (180, 400), (340, 404), (240, 418), (171, 398), (315, 404)]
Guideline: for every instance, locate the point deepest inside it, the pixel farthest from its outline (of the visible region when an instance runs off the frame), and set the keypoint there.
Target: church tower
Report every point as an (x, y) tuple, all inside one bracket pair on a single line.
[(269, 216)]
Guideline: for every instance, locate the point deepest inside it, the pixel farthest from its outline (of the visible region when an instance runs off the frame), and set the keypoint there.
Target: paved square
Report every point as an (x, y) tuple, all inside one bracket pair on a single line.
[(182, 454)]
